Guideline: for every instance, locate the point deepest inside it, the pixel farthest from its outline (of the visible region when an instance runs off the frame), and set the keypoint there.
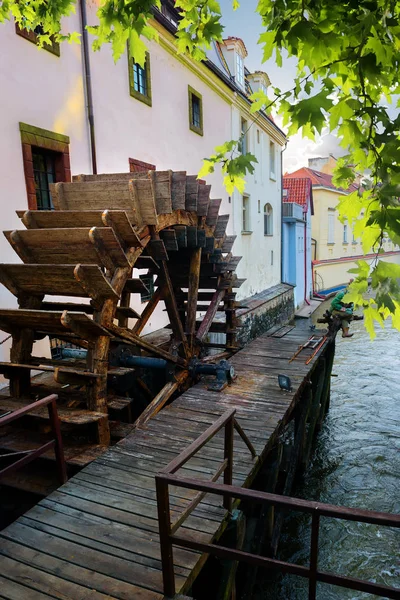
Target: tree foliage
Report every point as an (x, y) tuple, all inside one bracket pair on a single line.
[(348, 56)]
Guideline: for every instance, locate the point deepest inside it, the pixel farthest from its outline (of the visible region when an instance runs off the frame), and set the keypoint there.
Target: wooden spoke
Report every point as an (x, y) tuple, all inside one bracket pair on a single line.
[(193, 290), (161, 399), (210, 314), (148, 311)]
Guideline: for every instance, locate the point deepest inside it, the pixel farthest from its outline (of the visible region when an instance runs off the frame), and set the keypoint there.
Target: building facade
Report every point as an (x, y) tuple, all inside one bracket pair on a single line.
[(169, 115), (297, 209), (335, 250)]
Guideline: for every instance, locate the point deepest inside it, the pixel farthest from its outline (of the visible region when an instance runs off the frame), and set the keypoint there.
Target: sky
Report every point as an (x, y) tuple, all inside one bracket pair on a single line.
[(245, 23)]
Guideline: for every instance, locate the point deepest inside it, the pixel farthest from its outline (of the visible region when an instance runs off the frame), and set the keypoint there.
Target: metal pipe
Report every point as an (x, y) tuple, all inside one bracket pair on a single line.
[(143, 362), (282, 210), (88, 85)]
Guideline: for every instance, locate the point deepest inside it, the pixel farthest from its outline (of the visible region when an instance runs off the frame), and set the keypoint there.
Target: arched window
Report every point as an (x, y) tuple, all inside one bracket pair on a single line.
[(268, 223)]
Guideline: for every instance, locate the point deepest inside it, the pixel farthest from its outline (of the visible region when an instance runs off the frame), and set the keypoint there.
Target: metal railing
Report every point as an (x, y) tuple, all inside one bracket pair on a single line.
[(29, 455), (167, 529)]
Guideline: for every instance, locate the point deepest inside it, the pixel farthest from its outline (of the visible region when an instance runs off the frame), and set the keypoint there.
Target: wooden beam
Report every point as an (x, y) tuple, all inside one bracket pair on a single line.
[(210, 314), (148, 311), (193, 290)]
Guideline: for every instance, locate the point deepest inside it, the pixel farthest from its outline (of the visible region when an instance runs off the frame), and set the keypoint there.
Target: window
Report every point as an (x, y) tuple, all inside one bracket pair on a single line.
[(272, 171), (268, 223), (243, 136), (148, 281), (44, 172), (45, 156), (345, 232), (258, 136), (300, 244), (354, 241), (259, 206), (140, 80), (272, 257), (239, 69), (331, 227), (245, 213), (32, 36), (195, 111)]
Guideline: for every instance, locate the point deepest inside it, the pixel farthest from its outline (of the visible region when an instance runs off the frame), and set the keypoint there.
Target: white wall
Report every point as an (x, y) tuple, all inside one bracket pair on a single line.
[(256, 248), (46, 91)]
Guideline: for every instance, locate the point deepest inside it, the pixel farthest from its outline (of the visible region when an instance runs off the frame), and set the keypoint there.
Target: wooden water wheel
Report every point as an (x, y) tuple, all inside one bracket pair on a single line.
[(104, 228)]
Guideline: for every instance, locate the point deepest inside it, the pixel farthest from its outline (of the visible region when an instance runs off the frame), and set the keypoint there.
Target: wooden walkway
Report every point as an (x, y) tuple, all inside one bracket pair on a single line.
[(96, 537)]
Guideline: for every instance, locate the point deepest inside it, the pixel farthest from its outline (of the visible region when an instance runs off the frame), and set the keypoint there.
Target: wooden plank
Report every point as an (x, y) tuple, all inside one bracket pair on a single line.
[(192, 188), (86, 577), (162, 183), (68, 246), (178, 190), (169, 238), (210, 314), (12, 590), (201, 238), (191, 236), (220, 227), (213, 210), (143, 194), (58, 280), (228, 243), (50, 322), (136, 286), (203, 200), (181, 235), (98, 195), (157, 250), (39, 581)]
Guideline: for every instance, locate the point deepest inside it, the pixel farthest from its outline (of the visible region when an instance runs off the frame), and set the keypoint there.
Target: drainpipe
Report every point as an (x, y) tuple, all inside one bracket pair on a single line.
[(305, 261), (282, 211), (88, 85)]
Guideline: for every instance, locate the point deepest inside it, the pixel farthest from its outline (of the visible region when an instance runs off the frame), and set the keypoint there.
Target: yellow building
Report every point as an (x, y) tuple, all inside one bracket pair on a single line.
[(335, 250)]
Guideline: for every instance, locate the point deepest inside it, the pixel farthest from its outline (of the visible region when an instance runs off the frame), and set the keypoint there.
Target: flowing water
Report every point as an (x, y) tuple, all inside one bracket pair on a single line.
[(356, 463)]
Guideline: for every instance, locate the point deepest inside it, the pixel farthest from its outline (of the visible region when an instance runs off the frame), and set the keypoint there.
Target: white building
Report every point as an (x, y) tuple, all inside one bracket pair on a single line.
[(169, 115)]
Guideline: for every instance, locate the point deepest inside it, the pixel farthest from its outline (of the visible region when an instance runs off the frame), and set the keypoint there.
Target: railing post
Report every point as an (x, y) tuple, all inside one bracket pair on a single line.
[(312, 588), (164, 525), (228, 455), (58, 446)]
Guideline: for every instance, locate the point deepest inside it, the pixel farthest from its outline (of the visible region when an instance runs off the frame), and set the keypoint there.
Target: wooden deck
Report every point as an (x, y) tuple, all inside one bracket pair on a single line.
[(96, 537)]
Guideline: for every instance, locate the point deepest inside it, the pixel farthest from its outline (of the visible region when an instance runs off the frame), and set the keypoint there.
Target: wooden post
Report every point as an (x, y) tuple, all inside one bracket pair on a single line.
[(164, 525), (193, 290), (228, 455), (21, 350)]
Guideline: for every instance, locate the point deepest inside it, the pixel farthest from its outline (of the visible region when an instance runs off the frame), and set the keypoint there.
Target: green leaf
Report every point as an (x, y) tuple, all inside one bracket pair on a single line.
[(371, 315), (267, 39)]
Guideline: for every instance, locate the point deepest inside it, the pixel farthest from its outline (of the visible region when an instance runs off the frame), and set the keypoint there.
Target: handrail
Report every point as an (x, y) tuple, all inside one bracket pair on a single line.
[(167, 530), (56, 442)]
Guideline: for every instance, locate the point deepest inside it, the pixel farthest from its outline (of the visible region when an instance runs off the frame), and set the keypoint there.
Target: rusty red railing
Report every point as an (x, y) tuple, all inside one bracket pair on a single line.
[(29, 455), (167, 529)]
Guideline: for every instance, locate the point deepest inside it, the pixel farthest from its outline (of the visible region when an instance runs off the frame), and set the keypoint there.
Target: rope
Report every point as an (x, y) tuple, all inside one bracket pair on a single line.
[(5, 339)]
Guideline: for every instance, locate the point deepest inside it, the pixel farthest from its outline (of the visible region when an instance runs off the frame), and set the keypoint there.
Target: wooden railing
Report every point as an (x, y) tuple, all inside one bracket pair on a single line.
[(168, 537), (28, 455)]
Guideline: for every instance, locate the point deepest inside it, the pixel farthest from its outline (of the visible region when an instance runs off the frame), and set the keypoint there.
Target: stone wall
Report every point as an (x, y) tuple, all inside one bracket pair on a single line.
[(274, 306)]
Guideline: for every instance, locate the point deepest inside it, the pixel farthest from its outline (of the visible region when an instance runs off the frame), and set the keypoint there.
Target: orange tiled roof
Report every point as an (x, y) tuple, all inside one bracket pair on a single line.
[(319, 179), (299, 190)]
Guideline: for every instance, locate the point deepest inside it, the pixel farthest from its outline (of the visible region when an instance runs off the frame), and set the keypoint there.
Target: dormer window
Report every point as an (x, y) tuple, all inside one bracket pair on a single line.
[(239, 69), (234, 52)]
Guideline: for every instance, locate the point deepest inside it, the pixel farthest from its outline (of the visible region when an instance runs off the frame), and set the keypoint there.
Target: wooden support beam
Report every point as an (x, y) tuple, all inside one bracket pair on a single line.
[(160, 400), (193, 290), (210, 314), (148, 311)]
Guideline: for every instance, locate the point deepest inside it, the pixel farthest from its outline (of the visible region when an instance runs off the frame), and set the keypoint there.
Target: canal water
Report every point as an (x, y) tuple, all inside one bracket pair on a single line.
[(356, 463)]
